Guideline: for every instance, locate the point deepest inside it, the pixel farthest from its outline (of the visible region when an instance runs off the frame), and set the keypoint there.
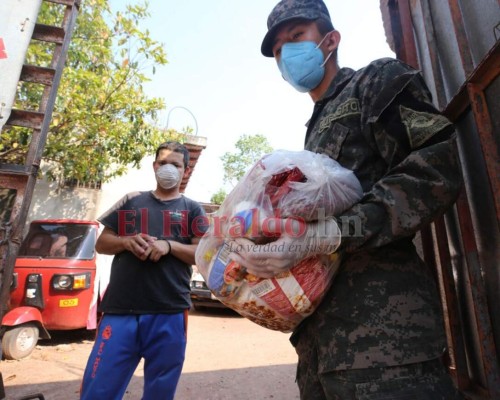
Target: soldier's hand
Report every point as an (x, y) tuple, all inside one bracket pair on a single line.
[(298, 240)]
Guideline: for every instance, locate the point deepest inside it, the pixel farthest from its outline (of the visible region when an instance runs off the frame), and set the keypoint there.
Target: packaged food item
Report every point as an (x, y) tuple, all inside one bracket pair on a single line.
[(282, 184)]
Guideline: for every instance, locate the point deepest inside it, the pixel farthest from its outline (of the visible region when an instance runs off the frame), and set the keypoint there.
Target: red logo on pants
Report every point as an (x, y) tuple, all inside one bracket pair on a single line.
[(106, 333)]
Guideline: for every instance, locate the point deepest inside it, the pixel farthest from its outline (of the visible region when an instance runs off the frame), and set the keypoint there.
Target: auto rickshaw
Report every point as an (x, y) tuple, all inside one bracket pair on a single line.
[(52, 287)]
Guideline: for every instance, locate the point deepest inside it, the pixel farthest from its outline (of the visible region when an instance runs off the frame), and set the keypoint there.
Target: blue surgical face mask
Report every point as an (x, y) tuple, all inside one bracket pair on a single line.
[(302, 64)]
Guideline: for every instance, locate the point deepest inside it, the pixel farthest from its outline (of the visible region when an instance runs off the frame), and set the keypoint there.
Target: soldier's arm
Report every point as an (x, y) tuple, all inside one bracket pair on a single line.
[(423, 177)]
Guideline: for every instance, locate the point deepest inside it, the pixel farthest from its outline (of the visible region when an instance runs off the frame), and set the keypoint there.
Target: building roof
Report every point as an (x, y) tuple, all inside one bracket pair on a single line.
[(195, 145)]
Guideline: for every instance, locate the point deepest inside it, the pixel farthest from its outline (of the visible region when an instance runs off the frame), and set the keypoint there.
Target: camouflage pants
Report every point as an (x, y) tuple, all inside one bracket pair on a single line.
[(421, 381)]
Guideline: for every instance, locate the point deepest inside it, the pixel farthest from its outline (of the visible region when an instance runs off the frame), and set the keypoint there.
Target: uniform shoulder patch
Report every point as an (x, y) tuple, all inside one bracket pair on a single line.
[(421, 126)]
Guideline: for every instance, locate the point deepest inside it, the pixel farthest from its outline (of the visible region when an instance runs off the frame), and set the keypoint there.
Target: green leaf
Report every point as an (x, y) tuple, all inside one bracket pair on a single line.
[(103, 121), (250, 148)]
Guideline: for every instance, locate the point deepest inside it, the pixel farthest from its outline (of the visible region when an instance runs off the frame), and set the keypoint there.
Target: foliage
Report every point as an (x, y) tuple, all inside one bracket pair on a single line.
[(102, 120), (218, 197), (250, 149)]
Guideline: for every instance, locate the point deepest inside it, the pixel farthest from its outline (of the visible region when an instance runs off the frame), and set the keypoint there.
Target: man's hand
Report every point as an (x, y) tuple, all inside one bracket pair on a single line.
[(159, 248), (298, 240), (141, 245), (145, 246)]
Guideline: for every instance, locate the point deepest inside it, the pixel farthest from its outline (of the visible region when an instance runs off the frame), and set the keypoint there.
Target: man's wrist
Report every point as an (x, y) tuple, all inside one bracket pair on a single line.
[(121, 242)]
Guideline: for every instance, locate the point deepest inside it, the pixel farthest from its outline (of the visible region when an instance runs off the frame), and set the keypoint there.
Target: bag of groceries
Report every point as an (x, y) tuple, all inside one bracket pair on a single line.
[(283, 184)]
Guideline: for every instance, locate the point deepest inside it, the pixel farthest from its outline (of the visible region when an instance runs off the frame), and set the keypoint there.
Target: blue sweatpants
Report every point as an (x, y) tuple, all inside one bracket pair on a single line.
[(121, 342)]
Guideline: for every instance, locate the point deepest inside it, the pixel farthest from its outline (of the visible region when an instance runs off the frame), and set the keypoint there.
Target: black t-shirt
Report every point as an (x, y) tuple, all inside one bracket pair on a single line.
[(147, 287)]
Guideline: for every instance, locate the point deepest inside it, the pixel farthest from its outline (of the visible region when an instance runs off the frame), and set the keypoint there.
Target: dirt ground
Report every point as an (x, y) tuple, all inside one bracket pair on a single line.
[(228, 357)]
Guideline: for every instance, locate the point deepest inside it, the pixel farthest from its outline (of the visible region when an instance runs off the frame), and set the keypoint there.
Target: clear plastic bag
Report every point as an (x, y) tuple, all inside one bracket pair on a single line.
[(284, 184)]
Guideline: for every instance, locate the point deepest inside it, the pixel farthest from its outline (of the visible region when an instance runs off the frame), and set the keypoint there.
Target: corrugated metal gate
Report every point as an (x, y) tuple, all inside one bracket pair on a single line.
[(456, 45)]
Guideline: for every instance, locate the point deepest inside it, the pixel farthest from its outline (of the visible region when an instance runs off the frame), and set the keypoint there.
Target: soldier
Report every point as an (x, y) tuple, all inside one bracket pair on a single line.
[(378, 333)]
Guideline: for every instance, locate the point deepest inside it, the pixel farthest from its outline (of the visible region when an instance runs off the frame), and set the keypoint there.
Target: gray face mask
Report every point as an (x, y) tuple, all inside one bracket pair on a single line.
[(167, 176)]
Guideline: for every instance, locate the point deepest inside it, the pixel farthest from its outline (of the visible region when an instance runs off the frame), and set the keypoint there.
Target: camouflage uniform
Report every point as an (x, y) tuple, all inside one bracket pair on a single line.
[(383, 309), (378, 334)]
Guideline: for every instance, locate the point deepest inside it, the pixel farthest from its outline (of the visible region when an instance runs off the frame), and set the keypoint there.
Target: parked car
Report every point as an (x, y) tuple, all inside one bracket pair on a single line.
[(201, 296)]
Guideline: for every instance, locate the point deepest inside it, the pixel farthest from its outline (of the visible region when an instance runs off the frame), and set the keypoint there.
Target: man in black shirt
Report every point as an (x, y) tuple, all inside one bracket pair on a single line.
[(153, 236)]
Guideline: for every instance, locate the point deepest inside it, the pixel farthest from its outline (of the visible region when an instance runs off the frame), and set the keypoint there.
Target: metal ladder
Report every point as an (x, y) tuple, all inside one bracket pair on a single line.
[(20, 179)]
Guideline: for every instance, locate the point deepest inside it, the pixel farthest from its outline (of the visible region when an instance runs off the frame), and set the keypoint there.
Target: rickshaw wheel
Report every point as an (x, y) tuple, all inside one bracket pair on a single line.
[(19, 342)]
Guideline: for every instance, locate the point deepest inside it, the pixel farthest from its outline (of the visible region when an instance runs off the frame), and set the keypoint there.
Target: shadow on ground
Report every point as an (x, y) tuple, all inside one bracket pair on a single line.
[(271, 382), (67, 337)]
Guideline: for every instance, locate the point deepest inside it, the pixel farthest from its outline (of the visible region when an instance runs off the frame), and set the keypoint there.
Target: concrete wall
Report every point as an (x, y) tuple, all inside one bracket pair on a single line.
[(50, 201)]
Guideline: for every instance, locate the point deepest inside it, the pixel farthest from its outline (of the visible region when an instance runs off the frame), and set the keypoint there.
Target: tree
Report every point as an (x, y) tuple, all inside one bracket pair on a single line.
[(250, 149), (218, 197), (102, 121)]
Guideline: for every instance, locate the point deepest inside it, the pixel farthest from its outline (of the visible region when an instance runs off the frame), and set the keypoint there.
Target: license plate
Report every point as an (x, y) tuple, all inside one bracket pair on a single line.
[(68, 303)]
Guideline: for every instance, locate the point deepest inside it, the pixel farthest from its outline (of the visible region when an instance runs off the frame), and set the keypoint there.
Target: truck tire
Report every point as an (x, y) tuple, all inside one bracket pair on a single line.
[(18, 342)]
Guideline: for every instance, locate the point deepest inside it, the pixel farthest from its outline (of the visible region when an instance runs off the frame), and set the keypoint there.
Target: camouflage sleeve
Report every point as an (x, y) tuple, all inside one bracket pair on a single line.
[(417, 143)]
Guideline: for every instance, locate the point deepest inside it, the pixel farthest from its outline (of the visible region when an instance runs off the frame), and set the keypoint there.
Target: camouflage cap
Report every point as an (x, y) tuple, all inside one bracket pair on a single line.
[(286, 10)]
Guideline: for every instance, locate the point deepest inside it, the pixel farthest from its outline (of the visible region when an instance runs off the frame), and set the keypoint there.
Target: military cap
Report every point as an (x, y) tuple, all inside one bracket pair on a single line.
[(286, 10)]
